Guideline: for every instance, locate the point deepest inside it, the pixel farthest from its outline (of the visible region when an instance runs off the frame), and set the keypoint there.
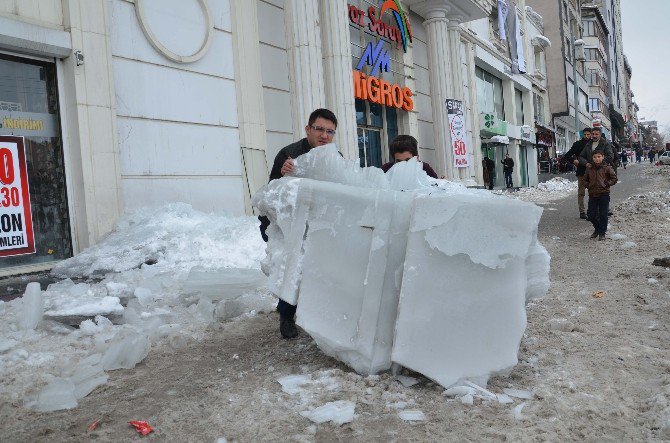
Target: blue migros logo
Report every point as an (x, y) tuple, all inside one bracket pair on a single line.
[(376, 57)]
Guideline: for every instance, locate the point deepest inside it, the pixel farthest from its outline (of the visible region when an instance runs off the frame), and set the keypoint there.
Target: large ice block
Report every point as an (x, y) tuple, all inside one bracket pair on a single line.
[(402, 268), (33, 306), (462, 303)]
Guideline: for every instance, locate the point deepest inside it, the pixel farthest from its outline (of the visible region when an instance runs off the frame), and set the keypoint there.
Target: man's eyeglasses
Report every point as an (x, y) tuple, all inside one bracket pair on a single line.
[(321, 129)]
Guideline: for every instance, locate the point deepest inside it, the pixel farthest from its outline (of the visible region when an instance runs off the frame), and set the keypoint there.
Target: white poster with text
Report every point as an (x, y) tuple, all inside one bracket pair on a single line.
[(458, 134)]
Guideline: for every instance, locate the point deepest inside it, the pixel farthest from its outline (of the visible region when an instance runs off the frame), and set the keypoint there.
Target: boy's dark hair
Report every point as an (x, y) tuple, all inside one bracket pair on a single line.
[(405, 143), (587, 130), (323, 113), (598, 151)]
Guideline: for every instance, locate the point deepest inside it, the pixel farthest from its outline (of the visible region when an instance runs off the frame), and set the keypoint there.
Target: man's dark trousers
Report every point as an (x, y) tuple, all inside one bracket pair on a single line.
[(508, 179), (285, 310), (597, 212)]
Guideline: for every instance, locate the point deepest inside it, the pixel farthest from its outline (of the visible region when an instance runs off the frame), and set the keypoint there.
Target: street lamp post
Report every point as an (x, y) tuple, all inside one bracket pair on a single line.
[(577, 50)]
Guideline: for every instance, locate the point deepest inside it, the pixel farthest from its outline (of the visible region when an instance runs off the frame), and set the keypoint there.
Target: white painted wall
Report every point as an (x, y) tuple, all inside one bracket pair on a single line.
[(275, 72), (422, 104), (41, 11), (176, 123)]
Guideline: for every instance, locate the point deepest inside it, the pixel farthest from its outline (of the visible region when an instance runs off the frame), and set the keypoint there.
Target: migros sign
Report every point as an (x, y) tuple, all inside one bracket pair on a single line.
[(369, 87)]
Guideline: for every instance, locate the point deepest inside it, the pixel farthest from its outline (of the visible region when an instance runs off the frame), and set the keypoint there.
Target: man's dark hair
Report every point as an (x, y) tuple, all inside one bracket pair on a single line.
[(597, 129), (404, 143), (598, 151), (323, 113), (587, 130)]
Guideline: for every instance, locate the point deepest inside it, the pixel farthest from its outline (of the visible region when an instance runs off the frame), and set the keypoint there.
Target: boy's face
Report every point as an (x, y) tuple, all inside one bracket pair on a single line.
[(402, 156), (598, 158)]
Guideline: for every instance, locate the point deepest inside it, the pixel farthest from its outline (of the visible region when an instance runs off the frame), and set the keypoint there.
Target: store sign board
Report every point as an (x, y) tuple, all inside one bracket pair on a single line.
[(458, 136), (28, 124), (376, 57), (372, 19), (377, 90), (16, 222), (490, 124)]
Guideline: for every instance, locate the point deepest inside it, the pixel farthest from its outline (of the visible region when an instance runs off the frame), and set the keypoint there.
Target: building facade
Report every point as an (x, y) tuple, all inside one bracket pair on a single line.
[(562, 20), (127, 104), (596, 39)]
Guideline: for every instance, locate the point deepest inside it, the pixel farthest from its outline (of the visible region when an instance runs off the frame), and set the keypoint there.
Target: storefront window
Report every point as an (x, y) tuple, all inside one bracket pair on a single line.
[(29, 108), (376, 129), (489, 94)]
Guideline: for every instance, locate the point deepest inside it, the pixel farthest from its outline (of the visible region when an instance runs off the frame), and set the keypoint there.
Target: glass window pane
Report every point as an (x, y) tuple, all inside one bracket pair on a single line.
[(361, 147), (391, 124), (376, 118), (28, 91), (360, 112), (374, 148)]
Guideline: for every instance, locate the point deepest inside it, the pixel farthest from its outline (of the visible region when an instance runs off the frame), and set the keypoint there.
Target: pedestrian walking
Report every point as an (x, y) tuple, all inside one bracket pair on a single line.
[(624, 158), (319, 131), (652, 155), (572, 155), (489, 171), (598, 179)]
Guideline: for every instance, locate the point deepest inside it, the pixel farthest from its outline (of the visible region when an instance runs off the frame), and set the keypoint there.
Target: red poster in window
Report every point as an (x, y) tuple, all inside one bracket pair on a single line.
[(16, 221)]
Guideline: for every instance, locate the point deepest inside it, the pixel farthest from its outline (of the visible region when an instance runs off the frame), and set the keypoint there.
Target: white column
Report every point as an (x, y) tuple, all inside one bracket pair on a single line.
[(339, 87), (436, 25), (305, 60), (456, 86), (250, 103)]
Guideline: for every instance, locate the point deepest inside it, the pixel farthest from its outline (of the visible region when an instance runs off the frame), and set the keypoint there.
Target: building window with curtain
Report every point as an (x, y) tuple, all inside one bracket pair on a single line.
[(489, 94)]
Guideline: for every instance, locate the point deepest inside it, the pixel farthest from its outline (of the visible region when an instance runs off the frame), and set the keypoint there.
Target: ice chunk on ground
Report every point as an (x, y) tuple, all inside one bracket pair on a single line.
[(517, 411), (33, 307), (338, 412), (618, 236), (505, 399), (406, 381), (291, 383), (224, 283), (629, 245), (468, 399), (412, 415), (459, 391), (88, 375), (144, 296), (57, 395), (518, 393), (128, 347), (6, 344)]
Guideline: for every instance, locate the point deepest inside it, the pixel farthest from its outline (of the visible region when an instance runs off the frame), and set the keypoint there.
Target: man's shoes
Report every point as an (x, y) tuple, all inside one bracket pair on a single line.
[(288, 328), (601, 237), (595, 234), (582, 215)]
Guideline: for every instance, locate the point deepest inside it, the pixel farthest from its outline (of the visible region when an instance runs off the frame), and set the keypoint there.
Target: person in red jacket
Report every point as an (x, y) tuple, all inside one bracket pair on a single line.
[(598, 179), (404, 147)]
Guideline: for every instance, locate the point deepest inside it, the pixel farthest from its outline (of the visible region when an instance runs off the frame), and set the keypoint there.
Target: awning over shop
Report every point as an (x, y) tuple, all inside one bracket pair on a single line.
[(545, 135), (618, 121)]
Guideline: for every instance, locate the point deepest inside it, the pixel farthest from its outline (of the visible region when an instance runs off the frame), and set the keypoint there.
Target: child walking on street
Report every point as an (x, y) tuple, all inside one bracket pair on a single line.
[(598, 179)]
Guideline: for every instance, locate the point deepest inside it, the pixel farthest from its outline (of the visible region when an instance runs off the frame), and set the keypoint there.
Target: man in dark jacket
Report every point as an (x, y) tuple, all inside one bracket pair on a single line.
[(489, 171), (404, 147), (574, 152), (508, 168), (597, 142), (319, 131)]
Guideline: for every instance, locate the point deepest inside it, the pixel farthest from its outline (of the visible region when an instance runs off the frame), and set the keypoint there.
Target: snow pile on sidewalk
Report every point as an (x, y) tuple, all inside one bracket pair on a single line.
[(162, 276), (554, 189)]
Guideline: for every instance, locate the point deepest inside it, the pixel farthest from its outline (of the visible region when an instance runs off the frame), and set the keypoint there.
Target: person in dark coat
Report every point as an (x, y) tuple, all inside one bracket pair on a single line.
[(404, 147), (508, 168), (599, 177), (319, 131), (490, 171), (572, 154)]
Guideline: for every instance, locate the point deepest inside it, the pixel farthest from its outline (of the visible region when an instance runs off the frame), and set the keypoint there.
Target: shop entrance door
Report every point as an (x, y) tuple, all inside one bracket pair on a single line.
[(29, 108), (496, 152), (523, 166)]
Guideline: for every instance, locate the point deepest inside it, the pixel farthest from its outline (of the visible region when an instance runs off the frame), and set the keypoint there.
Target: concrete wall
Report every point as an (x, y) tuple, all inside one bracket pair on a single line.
[(176, 122)]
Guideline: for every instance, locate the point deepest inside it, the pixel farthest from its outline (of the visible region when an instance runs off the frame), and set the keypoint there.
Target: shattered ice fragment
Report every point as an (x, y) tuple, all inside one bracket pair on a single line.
[(144, 296), (6, 344), (57, 395), (406, 381), (468, 399), (618, 236), (88, 375), (459, 391), (518, 393), (505, 399), (652, 281), (338, 412), (481, 390), (412, 415), (629, 245), (291, 383), (561, 324), (517, 411), (128, 348), (33, 307)]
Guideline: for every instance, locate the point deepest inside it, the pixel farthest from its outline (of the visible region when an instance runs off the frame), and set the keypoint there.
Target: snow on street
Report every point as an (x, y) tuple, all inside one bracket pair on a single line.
[(589, 367)]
